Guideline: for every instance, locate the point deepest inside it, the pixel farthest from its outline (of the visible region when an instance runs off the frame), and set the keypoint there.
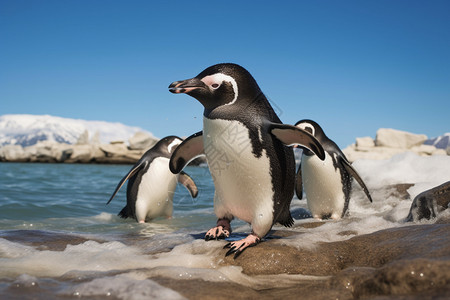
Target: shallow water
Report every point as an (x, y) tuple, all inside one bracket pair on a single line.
[(59, 239)]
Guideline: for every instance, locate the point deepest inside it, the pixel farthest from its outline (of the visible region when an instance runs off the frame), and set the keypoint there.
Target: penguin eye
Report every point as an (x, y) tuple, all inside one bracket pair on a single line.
[(215, 85)]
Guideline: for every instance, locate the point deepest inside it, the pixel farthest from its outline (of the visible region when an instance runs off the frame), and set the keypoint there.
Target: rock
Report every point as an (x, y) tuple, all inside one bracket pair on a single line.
[(365, 142), (399, 190), (116, 149), (390, 142), (83, 139), (47, 151), (85, 154), (61, 152), (118, 153), (428, 150), (393, 138), (96, 139), (352, 153), (429, 203), (142, 141), (41, 152), (13, 153), (408, 262)]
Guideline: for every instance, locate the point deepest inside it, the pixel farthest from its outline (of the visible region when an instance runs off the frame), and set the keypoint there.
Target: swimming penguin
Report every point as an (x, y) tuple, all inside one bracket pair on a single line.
[(327, 183), (253, 172), (151, 185)]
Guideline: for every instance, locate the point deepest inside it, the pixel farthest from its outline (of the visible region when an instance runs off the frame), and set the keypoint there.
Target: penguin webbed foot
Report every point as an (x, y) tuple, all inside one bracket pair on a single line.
[(238, 247), (217, 233)]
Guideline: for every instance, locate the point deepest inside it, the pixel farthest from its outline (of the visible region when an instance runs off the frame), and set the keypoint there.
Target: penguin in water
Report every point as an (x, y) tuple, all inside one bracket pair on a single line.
[(253, 172), (328, 183), (151, 185)]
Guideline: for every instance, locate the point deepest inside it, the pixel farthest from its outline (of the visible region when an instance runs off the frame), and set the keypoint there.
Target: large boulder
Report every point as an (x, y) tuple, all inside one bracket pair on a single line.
[(393, 138), (429, 203), (84, 154), (47, 151), (365, 142), (142, 141), (114, 149), (13, 153), (390, 142), (118, 153), (353, 152), (41, 152)]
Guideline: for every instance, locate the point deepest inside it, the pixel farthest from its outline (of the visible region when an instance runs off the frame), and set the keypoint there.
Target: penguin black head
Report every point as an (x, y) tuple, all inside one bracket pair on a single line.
[(168, 144), (312, 127), (221, 84)]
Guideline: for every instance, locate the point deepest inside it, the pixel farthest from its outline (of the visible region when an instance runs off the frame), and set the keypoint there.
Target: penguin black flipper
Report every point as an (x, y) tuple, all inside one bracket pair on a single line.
[(291, 135), (187, 181), (133, 171), (348, 167), (299, 183), (189, 149)]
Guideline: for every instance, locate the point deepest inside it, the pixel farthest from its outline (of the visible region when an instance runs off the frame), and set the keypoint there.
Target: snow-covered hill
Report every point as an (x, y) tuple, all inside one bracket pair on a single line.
[(26, 130)]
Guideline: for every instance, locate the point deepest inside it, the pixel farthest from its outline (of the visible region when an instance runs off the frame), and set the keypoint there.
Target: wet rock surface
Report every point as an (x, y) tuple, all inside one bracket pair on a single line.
[(429, 203), (410, 262)]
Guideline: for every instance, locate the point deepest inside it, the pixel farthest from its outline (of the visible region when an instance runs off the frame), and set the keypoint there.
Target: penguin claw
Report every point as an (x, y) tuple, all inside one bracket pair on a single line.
[(238, 247), (217, 233), (231, 251)]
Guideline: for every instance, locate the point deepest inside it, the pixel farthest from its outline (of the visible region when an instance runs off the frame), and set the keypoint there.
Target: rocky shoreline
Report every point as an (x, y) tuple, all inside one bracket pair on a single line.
[(409, 262), (406, 262), (83, 152), (387, 143)]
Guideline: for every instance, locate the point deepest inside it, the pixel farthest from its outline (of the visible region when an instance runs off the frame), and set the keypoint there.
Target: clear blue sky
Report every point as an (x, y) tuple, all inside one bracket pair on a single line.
[(353, 66)]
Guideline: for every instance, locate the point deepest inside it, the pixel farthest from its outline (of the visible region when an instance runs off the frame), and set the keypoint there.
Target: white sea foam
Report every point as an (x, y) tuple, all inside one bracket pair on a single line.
[(123, 286), (387, 209)]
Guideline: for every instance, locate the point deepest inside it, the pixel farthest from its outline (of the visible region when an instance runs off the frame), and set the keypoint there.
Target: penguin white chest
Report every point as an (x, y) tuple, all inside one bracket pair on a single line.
[(323, 186), (156, 189), (243, 181)]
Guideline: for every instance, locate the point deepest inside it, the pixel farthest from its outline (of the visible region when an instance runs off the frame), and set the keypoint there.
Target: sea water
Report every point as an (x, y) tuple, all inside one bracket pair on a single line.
[(58, 238)]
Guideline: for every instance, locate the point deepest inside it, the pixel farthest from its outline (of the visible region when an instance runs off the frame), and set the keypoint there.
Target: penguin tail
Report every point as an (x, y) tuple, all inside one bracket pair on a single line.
[(124, 213), (286, 220)]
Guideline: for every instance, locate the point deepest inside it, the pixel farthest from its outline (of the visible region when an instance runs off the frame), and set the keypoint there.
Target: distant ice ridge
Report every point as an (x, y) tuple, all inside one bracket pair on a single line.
[(27, 130), (441, 142)]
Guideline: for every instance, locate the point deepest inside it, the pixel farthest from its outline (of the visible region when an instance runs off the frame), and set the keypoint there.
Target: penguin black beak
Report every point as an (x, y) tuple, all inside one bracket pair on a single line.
[(186, 86)]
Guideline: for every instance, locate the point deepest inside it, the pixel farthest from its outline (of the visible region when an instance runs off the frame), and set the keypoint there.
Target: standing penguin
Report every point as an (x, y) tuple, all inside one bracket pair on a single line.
[(327, 183), (253, 172), (151, 185)]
